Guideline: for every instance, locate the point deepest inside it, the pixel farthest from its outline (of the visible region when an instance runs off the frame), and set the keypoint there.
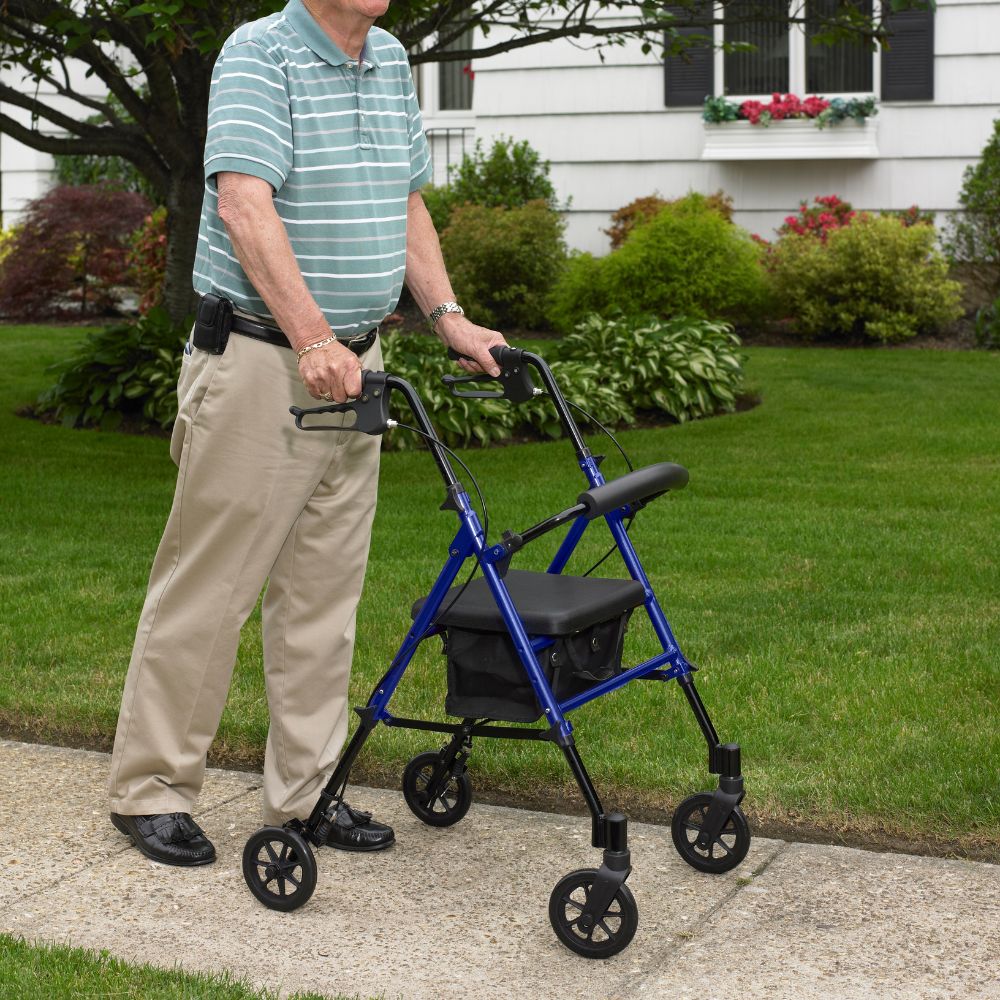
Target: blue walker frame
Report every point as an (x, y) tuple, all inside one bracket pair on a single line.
[(716, 819)]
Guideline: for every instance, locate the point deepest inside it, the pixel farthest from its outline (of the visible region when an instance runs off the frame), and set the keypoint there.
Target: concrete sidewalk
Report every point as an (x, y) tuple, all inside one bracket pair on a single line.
[(462, 912)]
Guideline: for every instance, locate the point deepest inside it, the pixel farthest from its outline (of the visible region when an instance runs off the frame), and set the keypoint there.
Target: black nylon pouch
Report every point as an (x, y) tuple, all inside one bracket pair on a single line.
[(487, 680), (212, 324)]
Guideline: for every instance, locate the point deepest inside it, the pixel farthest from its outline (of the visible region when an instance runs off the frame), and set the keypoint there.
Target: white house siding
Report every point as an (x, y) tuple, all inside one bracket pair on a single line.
[(610, 139)]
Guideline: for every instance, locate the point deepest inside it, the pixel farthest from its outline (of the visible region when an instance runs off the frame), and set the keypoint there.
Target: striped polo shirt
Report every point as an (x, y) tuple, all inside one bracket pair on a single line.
[(341, 143)]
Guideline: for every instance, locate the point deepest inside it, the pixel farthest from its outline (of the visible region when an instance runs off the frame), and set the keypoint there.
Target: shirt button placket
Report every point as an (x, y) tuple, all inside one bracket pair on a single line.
[(364, 139)]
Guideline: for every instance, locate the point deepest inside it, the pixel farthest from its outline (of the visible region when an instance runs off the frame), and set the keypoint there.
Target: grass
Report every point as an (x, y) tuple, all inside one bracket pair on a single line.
[(832, 568), (57, 972)]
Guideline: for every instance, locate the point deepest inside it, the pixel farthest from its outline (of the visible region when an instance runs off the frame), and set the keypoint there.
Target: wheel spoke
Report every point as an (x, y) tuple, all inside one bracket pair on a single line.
[(572, 902), (281, 885), (270, 851)]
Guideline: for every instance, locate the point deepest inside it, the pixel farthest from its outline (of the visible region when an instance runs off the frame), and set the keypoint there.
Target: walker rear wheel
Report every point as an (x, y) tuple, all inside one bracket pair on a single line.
[(721, 855), (279, 868), (592, 938), (451, 801)]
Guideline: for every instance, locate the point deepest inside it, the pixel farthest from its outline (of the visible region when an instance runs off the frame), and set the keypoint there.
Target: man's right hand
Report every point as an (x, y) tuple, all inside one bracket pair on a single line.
[(331, 373)]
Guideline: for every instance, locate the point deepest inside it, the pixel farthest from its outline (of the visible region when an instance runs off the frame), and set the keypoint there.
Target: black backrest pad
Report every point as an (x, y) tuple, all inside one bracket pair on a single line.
[(635, 485), (548, 604)]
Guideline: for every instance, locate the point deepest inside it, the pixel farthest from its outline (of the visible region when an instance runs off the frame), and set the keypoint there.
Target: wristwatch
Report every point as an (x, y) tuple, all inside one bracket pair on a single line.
[(445, 307)]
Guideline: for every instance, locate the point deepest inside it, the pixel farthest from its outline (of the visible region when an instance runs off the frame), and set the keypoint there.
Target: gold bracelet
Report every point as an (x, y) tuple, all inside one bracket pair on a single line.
[(299, 355)]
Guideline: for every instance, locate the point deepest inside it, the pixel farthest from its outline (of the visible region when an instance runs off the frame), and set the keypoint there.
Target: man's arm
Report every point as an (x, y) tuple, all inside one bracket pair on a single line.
[(262, 247), (428, 281)]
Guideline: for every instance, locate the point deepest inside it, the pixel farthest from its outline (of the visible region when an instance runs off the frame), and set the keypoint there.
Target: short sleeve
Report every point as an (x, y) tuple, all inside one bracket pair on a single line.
[(249, 116), (421, 168)]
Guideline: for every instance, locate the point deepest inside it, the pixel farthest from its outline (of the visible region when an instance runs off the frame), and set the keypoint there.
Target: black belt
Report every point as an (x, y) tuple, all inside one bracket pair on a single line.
[(272, 335)]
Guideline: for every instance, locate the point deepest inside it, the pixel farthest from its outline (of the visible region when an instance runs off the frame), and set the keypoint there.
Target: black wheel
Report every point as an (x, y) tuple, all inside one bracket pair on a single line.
[(725, 852), (451, 802), (279, 868), (592, 938)]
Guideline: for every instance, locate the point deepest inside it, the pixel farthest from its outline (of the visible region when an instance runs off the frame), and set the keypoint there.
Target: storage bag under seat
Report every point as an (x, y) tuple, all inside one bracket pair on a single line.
[(586, 617)]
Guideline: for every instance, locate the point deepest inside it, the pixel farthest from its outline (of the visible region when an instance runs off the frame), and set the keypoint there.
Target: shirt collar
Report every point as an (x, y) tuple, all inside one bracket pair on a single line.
[(319, 41)]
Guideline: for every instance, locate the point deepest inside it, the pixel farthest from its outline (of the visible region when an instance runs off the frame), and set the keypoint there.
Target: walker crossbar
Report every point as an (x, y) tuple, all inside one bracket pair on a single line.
[(592, 911)]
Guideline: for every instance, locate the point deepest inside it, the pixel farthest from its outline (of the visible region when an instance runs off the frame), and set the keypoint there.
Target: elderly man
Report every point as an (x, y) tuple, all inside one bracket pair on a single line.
[(311, 219)]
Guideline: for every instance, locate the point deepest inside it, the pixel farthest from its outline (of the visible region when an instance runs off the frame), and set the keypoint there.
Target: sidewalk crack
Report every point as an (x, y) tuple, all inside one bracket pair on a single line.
[(679, 939)]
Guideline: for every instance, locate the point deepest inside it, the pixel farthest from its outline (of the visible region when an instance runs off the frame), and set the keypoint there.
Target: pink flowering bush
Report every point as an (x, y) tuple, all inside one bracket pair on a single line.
[(819, 219), (859, 275)]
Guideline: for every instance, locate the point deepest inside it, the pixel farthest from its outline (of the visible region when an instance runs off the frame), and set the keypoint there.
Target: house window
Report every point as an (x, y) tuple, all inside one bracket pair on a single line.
[(764, 69), (844, 68), (785, 58), (455, 78)]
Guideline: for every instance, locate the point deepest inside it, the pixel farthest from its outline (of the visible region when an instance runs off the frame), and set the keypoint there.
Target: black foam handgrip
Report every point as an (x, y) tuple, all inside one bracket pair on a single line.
[(637, 485)]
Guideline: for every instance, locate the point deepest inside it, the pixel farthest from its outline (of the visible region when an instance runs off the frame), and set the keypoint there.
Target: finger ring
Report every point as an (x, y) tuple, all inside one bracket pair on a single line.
[(326, 396)]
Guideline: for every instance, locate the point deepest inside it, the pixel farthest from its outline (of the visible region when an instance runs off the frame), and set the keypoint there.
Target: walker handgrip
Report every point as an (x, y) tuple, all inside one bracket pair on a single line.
[(638, 485), (514, 377), (371, 407)]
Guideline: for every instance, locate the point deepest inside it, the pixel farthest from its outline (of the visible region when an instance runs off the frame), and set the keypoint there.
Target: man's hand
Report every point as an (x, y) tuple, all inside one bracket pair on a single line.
[(467, 338), (332, 373)]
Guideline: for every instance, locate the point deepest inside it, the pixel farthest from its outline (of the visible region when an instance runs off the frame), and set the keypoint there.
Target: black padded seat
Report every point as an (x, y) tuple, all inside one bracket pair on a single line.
[(548, 604)]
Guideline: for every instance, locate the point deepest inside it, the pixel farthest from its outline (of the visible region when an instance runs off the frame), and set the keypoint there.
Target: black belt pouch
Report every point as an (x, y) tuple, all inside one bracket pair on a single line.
[(212, 324)]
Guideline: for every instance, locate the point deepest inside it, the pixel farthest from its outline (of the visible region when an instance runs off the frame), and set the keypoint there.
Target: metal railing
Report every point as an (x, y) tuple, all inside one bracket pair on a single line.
[(448, 146)]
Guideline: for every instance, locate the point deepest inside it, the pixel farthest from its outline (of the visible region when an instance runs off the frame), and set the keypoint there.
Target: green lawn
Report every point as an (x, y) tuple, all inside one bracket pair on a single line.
[(55, 972), (833, 568)]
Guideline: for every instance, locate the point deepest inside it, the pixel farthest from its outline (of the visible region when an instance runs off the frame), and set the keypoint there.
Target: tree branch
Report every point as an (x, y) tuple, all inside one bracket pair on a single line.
[(103, 142)]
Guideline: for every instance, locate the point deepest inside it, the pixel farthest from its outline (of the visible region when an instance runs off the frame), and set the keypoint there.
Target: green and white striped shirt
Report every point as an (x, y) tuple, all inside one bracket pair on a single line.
[(342, 145)]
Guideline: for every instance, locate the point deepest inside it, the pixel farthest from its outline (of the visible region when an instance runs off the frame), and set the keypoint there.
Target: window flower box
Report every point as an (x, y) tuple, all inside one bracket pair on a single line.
[(791, 139), (790, 128)]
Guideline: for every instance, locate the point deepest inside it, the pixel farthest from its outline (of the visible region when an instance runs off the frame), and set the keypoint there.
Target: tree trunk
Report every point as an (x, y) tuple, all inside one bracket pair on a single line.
[(183, 216)]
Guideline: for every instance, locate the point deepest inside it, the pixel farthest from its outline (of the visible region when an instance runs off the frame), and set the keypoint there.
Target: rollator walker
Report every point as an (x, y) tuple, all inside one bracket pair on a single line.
[(521, 647)]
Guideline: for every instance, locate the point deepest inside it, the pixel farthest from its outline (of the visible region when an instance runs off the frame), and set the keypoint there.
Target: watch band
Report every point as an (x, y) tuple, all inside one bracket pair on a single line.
[(445, 307)]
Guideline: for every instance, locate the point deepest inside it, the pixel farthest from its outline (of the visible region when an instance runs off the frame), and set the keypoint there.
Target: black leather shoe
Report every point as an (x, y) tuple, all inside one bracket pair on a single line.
[(171, 838), (354, 830)]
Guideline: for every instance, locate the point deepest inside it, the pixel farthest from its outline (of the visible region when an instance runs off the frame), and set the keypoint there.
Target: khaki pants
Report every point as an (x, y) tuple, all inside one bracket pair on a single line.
[(256, 500)]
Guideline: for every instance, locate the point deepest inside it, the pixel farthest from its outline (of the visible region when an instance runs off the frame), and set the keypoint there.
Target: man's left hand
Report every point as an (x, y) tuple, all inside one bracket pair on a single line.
[(465, 337)]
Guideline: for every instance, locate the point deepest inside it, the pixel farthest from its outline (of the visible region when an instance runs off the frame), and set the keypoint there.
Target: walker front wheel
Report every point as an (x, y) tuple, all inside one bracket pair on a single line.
[(587, 935), (452, 796), (279, 868), (723, 853)]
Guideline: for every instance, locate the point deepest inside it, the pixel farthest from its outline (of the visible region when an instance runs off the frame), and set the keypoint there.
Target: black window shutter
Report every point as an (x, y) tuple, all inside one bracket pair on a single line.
[(690, 78), (908, 62)]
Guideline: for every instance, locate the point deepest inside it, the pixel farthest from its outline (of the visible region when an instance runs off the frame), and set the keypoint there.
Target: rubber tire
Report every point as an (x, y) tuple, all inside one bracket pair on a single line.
[(736, 825), (583, 878), (451, 815), (301, 852)]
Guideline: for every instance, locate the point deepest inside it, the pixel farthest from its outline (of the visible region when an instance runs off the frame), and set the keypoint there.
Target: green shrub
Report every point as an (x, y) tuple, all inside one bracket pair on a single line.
[(987, 326), (641, 210), (685, 261), (874, 278), (127, 370), (504, 261), (512, 174), (439, 201), (681, 369), (973, 236)]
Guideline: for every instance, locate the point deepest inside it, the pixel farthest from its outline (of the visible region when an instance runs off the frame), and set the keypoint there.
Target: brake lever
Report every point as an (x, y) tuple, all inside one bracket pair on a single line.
[(453, 380), (514, 377), (371, 408)]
